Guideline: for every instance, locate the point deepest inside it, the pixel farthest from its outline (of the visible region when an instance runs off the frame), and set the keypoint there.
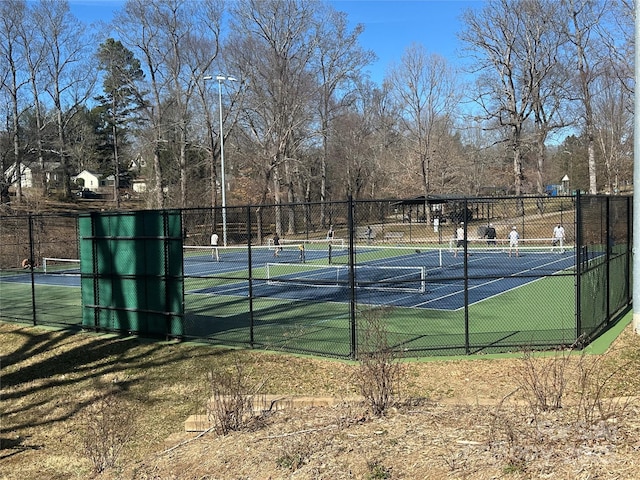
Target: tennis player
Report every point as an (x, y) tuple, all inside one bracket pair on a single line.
[(514, 239), (214, 243)]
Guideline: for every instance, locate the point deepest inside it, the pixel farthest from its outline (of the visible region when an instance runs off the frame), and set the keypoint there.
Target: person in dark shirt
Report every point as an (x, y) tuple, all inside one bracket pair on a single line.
[(276, 245), (490, 234)]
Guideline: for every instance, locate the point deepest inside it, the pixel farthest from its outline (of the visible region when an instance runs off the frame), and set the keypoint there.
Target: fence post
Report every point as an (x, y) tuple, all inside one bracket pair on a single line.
[(467, 347), (629, 252), (578, 253), (250, 275), (608, 240), (31, 265), (352, 279)]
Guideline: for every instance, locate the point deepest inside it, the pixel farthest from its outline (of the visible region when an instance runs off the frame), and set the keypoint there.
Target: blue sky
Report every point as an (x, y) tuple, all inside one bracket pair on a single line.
[(390, 25)]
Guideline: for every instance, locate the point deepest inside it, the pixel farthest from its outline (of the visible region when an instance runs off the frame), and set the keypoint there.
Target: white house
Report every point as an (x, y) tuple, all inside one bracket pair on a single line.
[(26, 175), (31, 174), (90, 181), (139, 185)]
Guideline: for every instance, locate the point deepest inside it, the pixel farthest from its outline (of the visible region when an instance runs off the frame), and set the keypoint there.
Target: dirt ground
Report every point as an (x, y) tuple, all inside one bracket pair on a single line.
[(455, 419)]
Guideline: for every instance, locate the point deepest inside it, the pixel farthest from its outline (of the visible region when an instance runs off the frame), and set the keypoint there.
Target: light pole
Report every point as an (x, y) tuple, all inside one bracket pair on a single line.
[(220, 79)]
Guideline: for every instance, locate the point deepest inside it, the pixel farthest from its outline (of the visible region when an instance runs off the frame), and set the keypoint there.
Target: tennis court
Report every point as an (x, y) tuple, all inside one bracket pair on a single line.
[(424, 277), (310, 294), (415, 277), (420, 291)]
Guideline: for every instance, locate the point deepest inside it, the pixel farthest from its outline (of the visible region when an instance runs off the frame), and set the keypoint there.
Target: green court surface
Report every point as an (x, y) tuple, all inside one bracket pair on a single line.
[(539, 313), (54, 304), (511, 321), (517, 318)]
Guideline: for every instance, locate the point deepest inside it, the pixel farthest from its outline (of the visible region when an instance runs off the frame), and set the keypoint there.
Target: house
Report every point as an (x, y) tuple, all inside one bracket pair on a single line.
[(31, 174), (137, 164), (139, 185), (87, 180)]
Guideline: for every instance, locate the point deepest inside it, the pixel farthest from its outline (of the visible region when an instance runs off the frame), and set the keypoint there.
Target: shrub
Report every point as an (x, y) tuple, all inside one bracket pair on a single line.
[(380, 374), (107, 426), (233, 399)]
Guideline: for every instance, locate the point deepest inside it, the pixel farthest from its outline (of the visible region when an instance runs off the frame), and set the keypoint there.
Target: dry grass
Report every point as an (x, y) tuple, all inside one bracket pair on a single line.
[(463, 419)]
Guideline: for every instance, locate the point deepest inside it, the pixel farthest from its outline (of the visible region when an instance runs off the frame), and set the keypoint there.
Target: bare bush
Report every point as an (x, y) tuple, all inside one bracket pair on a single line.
[(512, 438), (295, 452), (595, 402), (233, 399), (544, 380), (107, 426), (568, 399), (380, 374)]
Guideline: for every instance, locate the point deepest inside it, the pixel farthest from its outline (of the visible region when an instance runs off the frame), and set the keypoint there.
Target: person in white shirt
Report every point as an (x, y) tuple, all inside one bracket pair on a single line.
[(214, 243), (459, 239), (514, 238), (558, 237)]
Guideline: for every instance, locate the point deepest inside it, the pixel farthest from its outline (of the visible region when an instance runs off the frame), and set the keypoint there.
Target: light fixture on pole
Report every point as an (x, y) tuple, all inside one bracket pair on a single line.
[(220, 79)]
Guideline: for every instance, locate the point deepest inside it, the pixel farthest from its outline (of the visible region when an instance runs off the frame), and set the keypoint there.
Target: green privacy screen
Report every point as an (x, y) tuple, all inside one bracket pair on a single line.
[(132, 272)]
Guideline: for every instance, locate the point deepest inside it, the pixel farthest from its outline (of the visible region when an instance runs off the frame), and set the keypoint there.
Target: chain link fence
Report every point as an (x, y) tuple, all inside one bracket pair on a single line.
[(443, 276)]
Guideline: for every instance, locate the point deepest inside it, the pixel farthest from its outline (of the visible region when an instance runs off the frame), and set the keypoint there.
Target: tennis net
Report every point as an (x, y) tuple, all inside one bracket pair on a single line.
[(61, 266), (406, 279), (481, 257), (378, 255), (502, 244), (312, 243), (258, 254)]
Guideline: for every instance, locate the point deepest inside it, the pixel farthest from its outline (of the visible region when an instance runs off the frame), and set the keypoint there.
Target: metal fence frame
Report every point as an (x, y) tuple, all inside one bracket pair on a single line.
[(602, 283)]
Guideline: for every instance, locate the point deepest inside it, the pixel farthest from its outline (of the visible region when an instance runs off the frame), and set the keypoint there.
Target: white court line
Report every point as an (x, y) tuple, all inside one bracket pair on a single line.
[(229, 291), (513, 275), (42, 280)]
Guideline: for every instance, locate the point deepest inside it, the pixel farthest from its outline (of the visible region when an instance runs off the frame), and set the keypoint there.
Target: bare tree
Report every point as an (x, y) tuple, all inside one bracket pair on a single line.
[(190, 31), (619, 36), (12, 16), (140, 28), (174, 22), (366, 146), (273, 47), (178, 42), (493, 35), (33, 46), (70, 75), (614, 132), (201, 51), (588, 54), (353, 142), (542, 43), (427, 92), (383, 114), (340, 61)]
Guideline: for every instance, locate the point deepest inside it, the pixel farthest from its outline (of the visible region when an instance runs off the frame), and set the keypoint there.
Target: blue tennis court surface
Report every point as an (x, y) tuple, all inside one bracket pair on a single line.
[(39, 278), (490, 272)]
